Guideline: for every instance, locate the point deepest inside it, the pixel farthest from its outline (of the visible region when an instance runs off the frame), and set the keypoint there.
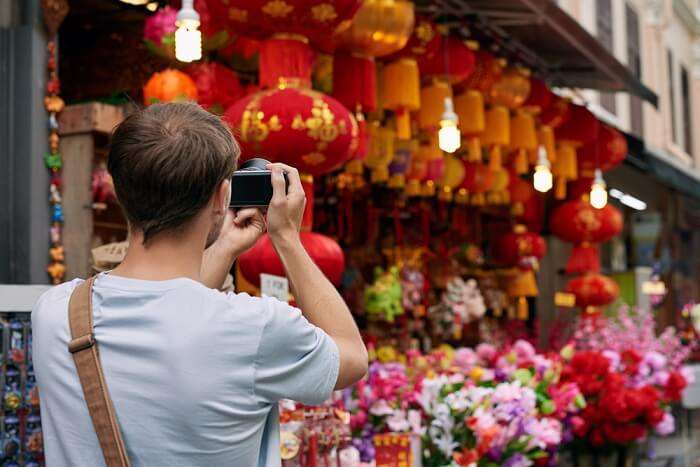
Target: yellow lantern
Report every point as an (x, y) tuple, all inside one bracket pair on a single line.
[(380, 152), (452, 177), (379, 28), (401, 93), (499, 193), (496, 134), (432, 98), (523, 139), (469, 106), (521, 285), (546, 138)]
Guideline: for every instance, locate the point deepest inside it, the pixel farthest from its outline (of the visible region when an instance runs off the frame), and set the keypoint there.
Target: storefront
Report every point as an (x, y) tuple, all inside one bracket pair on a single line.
[(456, 201)]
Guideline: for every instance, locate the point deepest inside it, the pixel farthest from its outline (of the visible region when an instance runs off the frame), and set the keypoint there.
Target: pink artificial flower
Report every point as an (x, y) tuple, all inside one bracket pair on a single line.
[(524, 350), (380, 407), (666, 426), (358, 420), (486, 352), (159, 25), (545, 432), (397, 422), (465, 358)]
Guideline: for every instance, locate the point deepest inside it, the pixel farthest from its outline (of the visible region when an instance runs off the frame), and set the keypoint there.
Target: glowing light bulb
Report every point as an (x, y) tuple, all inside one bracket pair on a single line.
[(599, 193), (542, 180), (449, 138), (188, 38)]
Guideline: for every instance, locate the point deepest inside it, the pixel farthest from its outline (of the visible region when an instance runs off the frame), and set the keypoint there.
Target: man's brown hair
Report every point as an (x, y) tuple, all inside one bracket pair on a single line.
[(166, 162)]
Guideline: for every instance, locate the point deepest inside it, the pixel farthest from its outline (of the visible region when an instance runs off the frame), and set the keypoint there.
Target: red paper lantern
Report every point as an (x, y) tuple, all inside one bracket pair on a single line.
[(608, 151), (521, 248), (448, 57), (611, 223), (313, 19), (217, 86), (521, 191), (557, 113), (487, 70), (300, 127), (540, 97), (355, 82), (169, 86), (581, 128), (263, 258), (576, 221), (592, 290), (478, 179)]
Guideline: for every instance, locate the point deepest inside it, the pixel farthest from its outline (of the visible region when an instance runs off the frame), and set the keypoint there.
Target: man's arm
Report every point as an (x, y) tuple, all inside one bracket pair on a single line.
[(318, 299)]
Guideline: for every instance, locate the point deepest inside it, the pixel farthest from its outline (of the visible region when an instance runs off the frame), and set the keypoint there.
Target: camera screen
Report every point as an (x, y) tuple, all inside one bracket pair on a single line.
[(251, 189)]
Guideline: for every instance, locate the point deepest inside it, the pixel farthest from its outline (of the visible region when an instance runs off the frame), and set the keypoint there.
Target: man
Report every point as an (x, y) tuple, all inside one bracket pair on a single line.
[(194, 374)]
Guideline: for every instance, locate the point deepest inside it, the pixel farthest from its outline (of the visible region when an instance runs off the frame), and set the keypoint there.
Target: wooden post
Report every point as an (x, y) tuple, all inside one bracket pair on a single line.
[(79, 124)]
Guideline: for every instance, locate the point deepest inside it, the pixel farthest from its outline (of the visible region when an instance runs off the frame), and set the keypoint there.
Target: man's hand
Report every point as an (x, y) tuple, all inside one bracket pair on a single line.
[(286, 209), (239, 232)]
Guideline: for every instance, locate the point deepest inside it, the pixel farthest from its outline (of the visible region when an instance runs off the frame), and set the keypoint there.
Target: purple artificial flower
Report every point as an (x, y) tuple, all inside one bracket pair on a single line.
[(517, 460)]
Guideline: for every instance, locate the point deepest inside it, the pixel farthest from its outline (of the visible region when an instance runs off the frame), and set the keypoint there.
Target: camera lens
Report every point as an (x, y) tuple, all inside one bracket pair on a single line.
[(254, 164)]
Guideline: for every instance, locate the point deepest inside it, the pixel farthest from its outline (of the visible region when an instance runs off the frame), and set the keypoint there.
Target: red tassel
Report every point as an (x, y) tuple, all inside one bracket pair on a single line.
[(459, 220), (355, 81), (372, 224), (398, 228), (362, 137), (425, 223), (285, 60), (584, 258)]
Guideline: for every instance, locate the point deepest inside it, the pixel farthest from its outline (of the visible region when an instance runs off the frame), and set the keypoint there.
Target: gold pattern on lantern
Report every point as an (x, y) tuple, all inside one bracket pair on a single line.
[(253, 126), (324, 12), (277, 8), (321, 124), (425, 31), (236, 14), (298, 123), (313, 158)]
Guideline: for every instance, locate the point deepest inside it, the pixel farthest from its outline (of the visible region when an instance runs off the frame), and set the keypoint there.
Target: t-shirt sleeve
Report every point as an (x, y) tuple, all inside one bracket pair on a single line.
[(296, 360)]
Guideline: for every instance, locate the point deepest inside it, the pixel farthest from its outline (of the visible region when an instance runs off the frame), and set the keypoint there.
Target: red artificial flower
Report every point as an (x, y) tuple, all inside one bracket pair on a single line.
[(674, 386), (465, 457), (631, 359)]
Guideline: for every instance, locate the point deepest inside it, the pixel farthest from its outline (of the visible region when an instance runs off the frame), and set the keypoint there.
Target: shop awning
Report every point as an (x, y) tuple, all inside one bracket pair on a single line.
[(544, 37)]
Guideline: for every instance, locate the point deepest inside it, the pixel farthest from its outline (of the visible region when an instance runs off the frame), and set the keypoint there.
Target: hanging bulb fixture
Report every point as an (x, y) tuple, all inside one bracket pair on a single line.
[(542, 179), (188, 38), (449, 138), (599, 192)]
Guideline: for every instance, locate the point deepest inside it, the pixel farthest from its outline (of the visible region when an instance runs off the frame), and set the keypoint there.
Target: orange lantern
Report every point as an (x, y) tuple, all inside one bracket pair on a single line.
[(169, 86), (511, 90), (401, 93), (380, 153), (469, 107), (580, 128), (499, 193), (301, 127), (521, 285), (487, 70)]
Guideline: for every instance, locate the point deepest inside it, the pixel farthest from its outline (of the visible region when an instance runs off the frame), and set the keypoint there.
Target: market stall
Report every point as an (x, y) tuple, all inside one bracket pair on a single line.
[(438, 164)]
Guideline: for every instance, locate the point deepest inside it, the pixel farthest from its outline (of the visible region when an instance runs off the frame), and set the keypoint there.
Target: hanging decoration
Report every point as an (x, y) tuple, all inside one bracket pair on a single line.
[(217, 86), (300, 127), (469, 107), (169, 86), (593, 290), (401, 93), (54, 12), (606, 152)]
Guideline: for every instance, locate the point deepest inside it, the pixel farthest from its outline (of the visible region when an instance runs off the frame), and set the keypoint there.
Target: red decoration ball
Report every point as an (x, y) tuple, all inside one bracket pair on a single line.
[(593, 290), (263, 258)]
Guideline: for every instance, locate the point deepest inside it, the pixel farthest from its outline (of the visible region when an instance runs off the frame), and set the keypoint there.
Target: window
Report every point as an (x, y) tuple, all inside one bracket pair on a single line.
[(671, 94), (634, 63), (605, 35), (687, 117)]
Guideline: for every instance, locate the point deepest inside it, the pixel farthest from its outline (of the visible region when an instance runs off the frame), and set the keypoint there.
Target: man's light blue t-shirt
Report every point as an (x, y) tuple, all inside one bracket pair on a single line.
[(194, 374)]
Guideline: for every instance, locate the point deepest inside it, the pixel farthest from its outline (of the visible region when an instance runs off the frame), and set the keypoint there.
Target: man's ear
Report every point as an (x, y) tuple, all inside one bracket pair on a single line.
[(222, 197)]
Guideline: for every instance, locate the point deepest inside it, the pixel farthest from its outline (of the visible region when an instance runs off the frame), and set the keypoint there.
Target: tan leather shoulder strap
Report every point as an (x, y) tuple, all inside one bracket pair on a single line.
[(87, 361)]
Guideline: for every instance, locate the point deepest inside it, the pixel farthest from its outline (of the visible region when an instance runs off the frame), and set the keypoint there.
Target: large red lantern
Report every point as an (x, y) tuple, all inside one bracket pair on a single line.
[(300, 127), (556, 113), (521, 248), (169, 86), (217, 86), (582, 127), (540, 97), (593, 290), (263, 258), (578, 222), (608, 151), (487, 70), (448, 57)]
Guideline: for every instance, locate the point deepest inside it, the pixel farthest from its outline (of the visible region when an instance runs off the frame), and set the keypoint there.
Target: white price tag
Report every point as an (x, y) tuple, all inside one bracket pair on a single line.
[(274, 286)]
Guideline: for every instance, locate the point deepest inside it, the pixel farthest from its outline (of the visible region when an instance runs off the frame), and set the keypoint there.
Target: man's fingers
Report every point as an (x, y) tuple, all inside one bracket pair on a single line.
[(279, 186), (243, 215), (293, 177)]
